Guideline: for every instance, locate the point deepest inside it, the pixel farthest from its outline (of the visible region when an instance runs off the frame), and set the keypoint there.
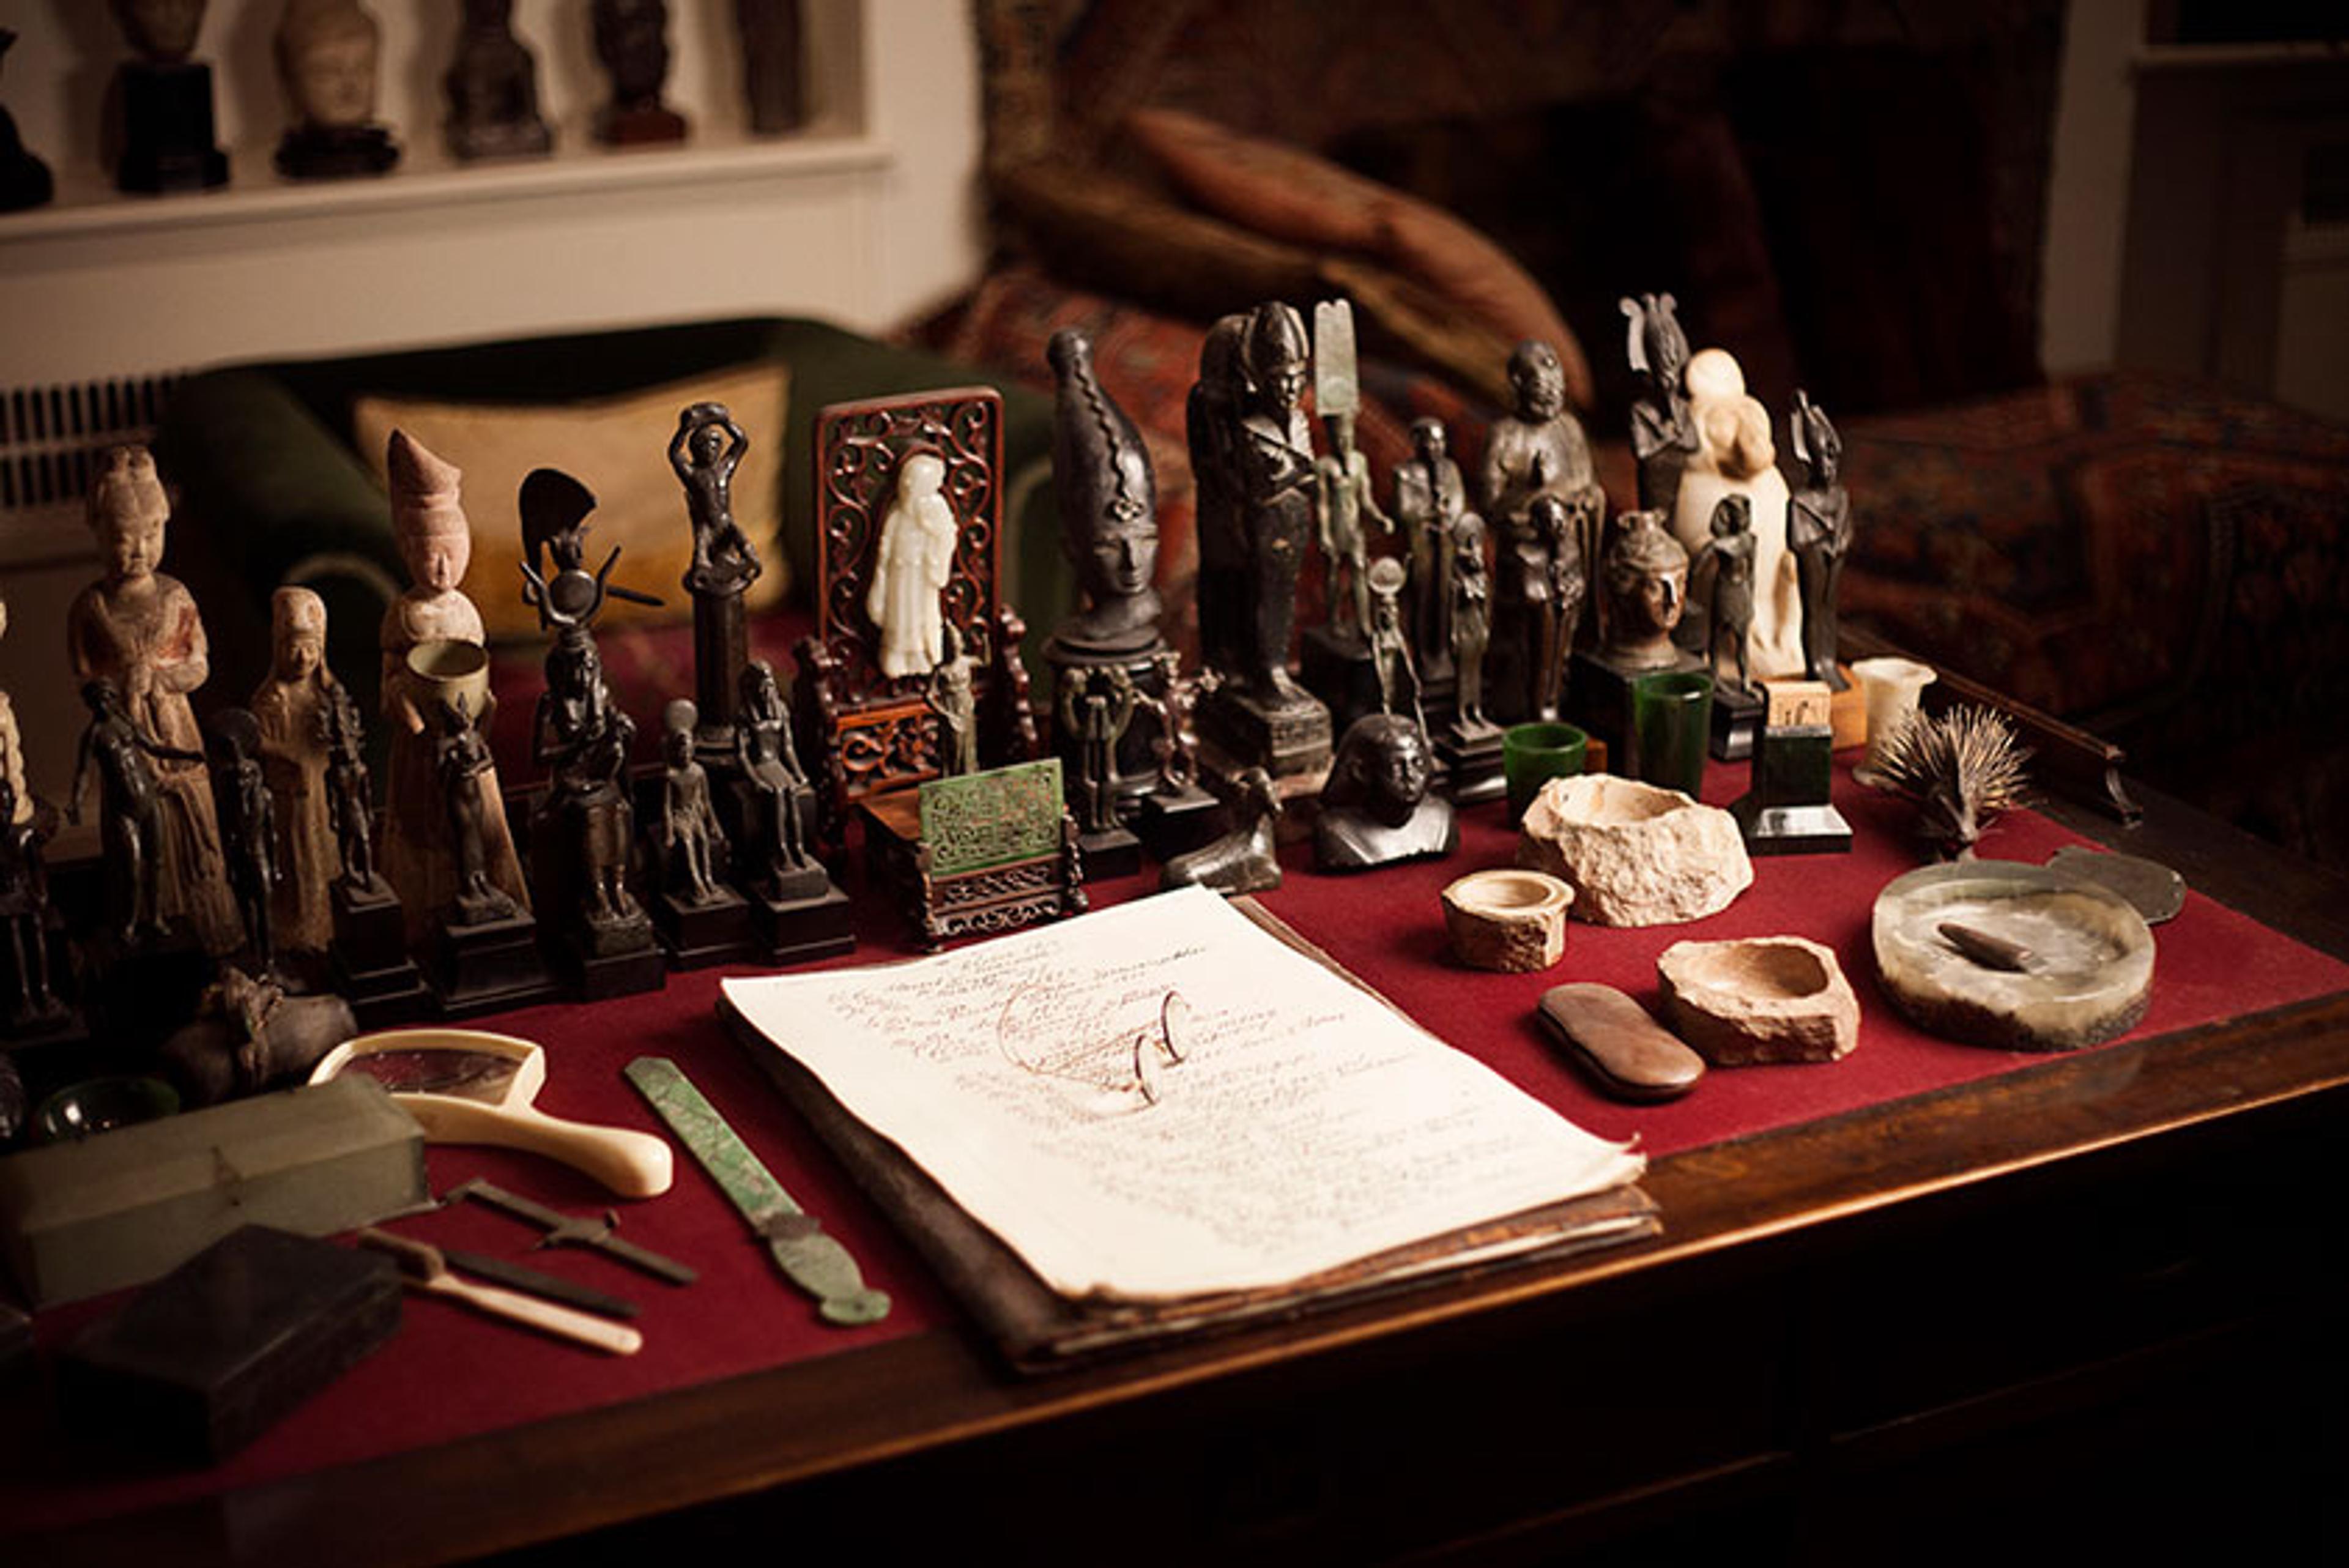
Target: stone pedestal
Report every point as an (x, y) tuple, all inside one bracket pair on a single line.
[(797, 930), (1471, 756), (1598, 697), (1736, 721), (487, 967), (1787, 810), (167, 129), (721, 646), (1287, 739), (1110, 852), (696, 936), (1172, 824), (370, 966), (620, 958)]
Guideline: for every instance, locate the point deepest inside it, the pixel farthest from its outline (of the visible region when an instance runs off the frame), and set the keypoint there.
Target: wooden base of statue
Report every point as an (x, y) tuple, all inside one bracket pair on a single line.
[(1137, 755), (1287, 739), (697, 935), (370, 966), (1787, 810), (639, 126), (167, 129), (806, 928), (1110, 852), (721, 646), (1471, 755), (597, 961), (1598, 694), (1175, 823), (142, 991), (999, 898), (346, 152), (487, 966), (1736, 721)]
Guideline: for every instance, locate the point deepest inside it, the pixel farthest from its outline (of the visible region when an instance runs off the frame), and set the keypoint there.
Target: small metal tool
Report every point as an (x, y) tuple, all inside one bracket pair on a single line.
[(427, 1270), (815, 1262), (576, 1231), (530, 1281)]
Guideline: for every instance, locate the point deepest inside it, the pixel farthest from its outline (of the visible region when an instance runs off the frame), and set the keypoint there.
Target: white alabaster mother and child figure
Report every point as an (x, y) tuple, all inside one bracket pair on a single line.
[(910, 573)]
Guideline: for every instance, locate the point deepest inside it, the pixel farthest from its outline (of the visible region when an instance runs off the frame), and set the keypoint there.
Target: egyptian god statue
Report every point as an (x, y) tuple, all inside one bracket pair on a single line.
[(1109, 516), (1735, 455)]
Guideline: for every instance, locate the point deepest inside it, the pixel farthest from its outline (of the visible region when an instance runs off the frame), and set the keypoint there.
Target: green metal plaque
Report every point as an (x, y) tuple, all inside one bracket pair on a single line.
[(992, 818)]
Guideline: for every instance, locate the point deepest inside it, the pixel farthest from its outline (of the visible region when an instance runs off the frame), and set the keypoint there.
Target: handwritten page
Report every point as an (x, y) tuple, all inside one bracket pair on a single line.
[(1162, 1100)]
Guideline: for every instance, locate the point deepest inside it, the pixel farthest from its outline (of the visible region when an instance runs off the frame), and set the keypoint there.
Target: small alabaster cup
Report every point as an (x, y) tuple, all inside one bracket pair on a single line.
[(1507, 919), (1890, 688)]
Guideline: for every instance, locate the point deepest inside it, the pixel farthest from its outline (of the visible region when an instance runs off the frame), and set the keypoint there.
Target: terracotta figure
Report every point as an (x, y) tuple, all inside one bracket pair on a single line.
[(138, 629), (417, 854), (293, 710)]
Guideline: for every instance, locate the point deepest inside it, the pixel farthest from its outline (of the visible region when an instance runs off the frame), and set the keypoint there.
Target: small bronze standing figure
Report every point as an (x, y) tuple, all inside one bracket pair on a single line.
[(1523, 620), (492, 86), (705, 450), (130, 810), (350, 800), (1730, 613), (1471, 596), (25, 909), (1819, 532), (248, 829), (1346, 496), (465, 767), (1562, 532), (692, 843), (1099, 718), (1390, 647), (1664, 429), (779, 865), (1429, 497), (1275, 464), (954, 699), (1211, 427)]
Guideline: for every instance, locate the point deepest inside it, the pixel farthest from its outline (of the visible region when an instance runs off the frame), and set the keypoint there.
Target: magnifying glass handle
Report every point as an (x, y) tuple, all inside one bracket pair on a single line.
[(632, 1164)]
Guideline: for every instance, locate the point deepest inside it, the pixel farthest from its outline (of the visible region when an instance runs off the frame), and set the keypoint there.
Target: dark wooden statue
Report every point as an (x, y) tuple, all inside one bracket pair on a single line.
[(130, 810), (704, 453), (1469, 594), (632, 43), (1819, 532), (467, 774), (1429, 497), (583, 738), (492, 86), (1730, 611), (24, 910), (349, 799), (24, 180), (248, 829), (773, 74), (167, 101), (1275, 466), (693, 846), (1211, 421)]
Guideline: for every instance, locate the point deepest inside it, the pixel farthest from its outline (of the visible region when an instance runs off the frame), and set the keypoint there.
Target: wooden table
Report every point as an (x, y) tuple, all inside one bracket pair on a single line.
[(2107, 1288)]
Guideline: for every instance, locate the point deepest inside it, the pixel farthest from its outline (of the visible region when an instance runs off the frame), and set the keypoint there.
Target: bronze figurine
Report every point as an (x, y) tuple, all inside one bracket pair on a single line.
[(1819, 532)]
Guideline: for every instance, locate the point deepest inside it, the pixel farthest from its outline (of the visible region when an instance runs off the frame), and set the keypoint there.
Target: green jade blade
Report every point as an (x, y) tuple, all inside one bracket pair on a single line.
[(815, 1262)]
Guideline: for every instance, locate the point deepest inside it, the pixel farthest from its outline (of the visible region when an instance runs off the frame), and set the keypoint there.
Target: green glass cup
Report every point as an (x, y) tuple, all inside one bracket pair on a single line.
[(1671, 720), (1532, 754)]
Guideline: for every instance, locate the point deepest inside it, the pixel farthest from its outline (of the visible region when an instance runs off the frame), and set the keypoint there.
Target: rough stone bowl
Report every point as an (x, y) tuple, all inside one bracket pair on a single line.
[(1507, 919), (1635, 855), (1759, 1000)]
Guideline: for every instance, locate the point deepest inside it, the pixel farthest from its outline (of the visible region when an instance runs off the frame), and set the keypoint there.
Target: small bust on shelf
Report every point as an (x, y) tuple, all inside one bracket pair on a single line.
[(326, 57), (632, 43), (492, 86), (1377, 808)]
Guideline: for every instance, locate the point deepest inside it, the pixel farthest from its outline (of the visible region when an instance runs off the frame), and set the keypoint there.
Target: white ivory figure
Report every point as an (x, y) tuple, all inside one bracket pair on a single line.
[(916, 557), (1735, 455)]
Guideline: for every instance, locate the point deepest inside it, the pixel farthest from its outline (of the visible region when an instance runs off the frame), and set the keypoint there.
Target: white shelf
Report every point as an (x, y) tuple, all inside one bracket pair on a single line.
[(427, 177)]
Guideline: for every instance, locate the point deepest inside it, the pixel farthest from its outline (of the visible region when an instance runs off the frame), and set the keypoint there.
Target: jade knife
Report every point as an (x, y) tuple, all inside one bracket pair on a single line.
[(811, 1260)]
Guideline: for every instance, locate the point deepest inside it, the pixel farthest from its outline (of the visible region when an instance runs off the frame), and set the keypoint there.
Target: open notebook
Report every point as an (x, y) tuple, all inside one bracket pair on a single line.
[(1167, 1116)]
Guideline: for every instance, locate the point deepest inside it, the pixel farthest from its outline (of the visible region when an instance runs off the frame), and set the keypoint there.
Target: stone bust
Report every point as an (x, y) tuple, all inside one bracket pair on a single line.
[(327, 55), (1377, 808), (1646, 578), (1109, 518)]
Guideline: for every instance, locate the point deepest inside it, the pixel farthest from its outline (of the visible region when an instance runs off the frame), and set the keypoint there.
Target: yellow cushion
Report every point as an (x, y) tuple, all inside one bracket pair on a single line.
[(618, 448)]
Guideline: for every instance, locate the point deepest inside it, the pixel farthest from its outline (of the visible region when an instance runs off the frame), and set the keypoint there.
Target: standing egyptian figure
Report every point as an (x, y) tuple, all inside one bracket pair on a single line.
[(1274, 453), (914, 563), (1819, 532), (138, 629), (1430, 496)]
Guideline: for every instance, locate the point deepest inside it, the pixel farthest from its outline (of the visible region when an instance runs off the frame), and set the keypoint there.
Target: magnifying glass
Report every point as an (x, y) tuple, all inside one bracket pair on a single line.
[(468, 1085)]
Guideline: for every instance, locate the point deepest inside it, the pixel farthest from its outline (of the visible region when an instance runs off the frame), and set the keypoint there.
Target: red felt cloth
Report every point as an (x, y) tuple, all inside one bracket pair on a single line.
[(450, 1374)]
